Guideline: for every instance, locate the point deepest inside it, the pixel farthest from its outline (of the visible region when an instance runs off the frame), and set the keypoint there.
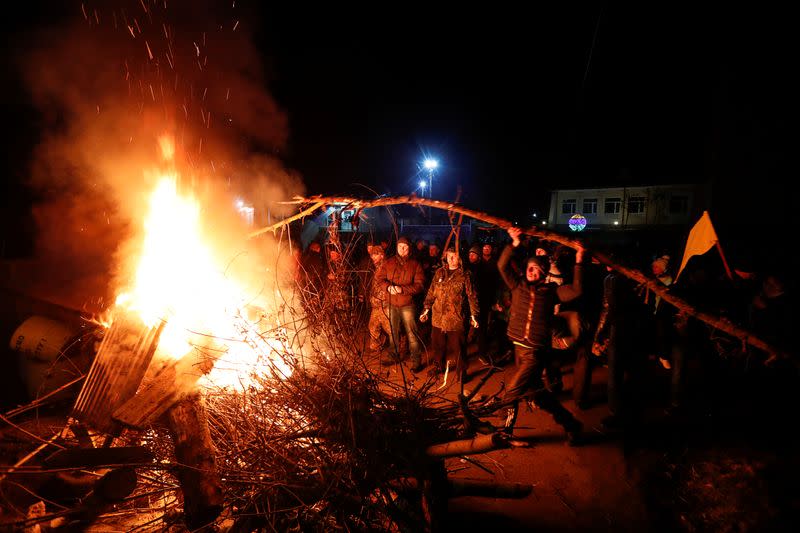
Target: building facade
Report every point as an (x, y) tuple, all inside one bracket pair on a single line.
[(627, 207)]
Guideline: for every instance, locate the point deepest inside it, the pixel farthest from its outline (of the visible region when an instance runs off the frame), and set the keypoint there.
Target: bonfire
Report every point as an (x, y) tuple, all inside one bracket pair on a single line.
[(209, 405)]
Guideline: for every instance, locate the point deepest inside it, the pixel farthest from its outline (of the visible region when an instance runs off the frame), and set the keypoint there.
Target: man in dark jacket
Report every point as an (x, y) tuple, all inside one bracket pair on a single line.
[(533, 301), (487, 281), (401, 278), (474, 258), (315, 269), (615, 337)]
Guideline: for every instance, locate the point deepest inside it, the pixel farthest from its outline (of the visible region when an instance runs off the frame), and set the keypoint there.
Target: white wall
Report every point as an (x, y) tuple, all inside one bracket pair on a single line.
[(656, 205)]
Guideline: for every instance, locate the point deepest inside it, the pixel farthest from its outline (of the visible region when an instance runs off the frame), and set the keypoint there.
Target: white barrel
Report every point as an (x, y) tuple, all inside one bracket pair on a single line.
[(40, 343)]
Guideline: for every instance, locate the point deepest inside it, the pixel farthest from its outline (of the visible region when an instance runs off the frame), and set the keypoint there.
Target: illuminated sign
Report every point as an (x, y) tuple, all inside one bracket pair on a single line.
[(577, 222)]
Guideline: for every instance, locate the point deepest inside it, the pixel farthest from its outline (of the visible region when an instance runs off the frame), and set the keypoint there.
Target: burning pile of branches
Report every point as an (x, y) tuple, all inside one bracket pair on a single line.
[(337, 442), (332, 446), (324, 449)]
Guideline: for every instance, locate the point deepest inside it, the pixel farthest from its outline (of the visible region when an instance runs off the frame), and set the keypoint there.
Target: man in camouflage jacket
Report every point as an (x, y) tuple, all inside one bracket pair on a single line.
[(378, 302), (451, 288)]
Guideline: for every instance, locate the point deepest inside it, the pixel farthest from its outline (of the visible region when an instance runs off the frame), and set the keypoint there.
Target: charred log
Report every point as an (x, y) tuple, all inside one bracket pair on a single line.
[(197, 470)]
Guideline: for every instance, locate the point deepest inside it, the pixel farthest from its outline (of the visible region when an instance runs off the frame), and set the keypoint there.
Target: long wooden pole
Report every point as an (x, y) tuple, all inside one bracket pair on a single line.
[(654, 285), (724, 261)]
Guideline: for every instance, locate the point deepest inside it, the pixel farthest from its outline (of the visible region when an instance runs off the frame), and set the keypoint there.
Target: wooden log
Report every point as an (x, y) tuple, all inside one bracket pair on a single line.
[(479, 444), (488, 489), (113, 487), (94, 457), (194, 452), (470, 487)]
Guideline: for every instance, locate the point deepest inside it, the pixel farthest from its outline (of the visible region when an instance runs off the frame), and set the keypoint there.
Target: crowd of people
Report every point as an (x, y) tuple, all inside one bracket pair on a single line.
[(537, 305)]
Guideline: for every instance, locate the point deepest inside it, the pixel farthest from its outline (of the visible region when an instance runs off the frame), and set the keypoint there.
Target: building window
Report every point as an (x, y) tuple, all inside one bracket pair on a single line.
[(636, 205), (568, 206), (612, 206), (590, 206), (678, 205)]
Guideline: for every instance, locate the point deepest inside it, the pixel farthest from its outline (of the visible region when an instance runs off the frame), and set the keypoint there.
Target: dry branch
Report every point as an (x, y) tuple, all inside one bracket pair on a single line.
[(285, 221)]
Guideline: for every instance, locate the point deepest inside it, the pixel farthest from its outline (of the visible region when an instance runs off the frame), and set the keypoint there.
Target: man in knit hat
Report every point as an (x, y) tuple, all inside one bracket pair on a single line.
[(378, 302), (473, 260), (401, 278)]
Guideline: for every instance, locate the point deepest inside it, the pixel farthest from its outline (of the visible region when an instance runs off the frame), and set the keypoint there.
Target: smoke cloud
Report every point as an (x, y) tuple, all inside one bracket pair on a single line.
[(108, 84)]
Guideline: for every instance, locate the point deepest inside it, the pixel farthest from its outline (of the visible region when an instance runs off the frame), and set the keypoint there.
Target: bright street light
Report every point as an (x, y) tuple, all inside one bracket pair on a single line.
[(430, 165), (422, 185)]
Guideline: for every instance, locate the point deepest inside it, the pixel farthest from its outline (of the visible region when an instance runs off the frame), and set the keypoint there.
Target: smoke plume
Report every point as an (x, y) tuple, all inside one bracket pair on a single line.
[(108, 84)]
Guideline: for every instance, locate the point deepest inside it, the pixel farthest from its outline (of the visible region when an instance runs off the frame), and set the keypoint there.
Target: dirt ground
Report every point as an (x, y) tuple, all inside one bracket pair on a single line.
[(729, 465), (574, 488), (590, 487)]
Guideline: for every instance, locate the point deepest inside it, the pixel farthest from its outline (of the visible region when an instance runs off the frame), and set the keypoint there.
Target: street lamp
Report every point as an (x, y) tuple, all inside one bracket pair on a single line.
[(430, 165), (422, 185)]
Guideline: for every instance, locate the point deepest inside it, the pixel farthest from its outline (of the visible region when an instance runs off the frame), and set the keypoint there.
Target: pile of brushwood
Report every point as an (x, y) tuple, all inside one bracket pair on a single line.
[(340, 444)]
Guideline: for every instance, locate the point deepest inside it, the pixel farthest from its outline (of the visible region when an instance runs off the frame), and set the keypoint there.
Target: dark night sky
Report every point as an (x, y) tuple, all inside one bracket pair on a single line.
[(672, 94)]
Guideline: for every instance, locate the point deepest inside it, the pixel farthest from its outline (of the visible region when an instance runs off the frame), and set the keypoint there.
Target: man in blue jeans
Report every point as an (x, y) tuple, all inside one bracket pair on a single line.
[(401, 277)]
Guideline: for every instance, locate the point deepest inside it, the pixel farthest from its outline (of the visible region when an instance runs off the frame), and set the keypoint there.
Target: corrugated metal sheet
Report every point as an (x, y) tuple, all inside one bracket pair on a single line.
[(117, 371)]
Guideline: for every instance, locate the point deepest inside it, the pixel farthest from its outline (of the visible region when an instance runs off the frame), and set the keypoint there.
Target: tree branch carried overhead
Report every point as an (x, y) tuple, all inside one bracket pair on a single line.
[(720, 323)]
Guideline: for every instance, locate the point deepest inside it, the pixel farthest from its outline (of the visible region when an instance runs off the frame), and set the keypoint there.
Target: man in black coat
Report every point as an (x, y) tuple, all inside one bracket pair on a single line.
[(533, 301)]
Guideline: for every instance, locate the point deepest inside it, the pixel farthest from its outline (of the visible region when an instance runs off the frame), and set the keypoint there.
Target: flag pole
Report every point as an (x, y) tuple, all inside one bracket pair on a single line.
[(724, 262)]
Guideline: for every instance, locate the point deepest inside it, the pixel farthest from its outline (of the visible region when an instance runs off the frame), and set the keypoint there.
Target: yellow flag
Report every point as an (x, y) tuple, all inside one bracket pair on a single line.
[(701, 239)]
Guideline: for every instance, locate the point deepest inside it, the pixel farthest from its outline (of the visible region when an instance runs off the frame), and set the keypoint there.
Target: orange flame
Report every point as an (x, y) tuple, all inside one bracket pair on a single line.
[(179, 280)]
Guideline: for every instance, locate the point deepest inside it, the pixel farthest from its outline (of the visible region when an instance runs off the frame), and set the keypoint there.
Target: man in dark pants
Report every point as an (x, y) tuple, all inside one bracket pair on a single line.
[(588, 307), (487, 283), (533, 301), (617, 329), (450, 292)]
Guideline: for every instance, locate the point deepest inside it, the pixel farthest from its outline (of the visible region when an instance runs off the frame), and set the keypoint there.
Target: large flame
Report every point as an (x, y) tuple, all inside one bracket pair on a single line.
[(179, 280)]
